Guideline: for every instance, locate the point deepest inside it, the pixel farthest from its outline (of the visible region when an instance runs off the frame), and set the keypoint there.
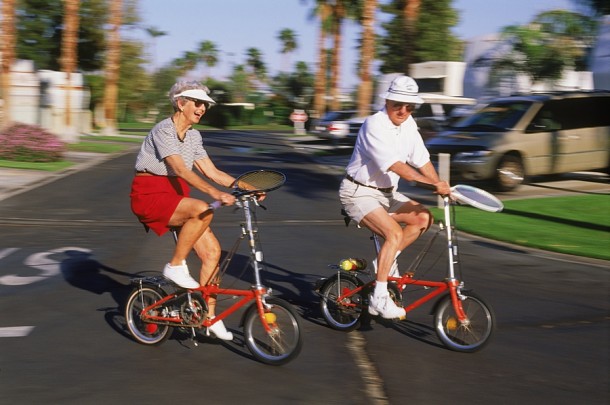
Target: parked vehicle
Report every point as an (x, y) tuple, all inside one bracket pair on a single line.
[(514, 137), (333, 126)]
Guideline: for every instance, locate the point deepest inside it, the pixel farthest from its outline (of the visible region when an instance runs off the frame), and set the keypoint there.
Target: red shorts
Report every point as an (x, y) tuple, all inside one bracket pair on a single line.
[(155, 198)]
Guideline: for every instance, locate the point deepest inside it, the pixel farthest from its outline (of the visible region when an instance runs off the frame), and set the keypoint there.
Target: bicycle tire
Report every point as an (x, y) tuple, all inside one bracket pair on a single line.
[(345, 315), (145, 332), (285, 340), (464, 337)]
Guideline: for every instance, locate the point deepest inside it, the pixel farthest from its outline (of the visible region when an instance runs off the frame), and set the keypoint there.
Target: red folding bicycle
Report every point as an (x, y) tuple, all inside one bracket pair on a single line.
[(463, 321), (272, 329)]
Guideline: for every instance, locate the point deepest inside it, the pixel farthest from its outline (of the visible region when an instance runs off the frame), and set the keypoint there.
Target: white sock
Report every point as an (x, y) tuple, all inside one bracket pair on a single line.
[(381, 289)]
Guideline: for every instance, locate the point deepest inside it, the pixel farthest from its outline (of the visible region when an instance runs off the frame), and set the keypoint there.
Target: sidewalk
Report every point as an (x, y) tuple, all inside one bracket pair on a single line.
[(17, 181)]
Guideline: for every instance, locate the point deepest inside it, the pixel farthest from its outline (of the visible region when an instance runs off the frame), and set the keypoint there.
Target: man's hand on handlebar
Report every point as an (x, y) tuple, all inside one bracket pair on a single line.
[(443, 188)]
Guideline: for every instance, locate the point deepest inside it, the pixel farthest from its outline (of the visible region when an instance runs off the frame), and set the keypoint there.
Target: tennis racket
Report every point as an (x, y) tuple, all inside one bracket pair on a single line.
[(477, 198), (259, 181)]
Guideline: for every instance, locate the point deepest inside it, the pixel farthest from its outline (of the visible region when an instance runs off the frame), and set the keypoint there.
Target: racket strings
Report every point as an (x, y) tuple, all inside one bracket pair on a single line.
[(261, 180)]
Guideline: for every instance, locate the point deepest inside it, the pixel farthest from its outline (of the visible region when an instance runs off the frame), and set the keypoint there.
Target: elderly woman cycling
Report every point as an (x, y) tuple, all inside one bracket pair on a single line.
[(160, 192)]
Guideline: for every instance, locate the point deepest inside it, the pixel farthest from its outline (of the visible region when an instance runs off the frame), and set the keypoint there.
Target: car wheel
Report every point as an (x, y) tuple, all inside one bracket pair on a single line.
[(510, 173)]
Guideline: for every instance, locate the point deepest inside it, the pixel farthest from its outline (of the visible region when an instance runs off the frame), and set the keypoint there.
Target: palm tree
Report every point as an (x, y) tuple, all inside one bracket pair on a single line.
[(208, 52), (255, 62), (289, 43), (111, 91), (338, 14), (69, 49), (410, 14), (8, 55), (188, 62), (154, 33), (323, 11), (365, 91)]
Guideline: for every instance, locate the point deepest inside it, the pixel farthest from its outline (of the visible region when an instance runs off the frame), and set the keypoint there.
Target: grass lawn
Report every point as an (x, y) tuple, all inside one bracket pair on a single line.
[(576, 225), (44, 166)]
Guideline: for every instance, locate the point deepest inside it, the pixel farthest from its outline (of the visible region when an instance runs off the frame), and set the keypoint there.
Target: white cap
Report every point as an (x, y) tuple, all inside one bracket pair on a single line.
[(403, 89), (197, 94)]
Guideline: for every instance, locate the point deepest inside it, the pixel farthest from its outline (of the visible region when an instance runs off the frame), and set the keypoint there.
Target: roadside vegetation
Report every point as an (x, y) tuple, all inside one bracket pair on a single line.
[(575, 225)]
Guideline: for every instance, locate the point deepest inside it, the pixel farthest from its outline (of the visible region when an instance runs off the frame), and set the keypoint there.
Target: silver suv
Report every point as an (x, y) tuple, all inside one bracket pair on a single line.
[(538, 134)]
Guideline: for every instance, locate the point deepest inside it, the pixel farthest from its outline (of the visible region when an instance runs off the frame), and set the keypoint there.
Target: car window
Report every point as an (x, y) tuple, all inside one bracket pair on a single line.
[(547, 118), (583, 112), (496, 116)]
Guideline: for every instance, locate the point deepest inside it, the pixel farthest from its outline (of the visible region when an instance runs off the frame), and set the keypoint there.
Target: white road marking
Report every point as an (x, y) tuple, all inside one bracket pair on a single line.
[(6, 252), (373, 384), (15, 331)]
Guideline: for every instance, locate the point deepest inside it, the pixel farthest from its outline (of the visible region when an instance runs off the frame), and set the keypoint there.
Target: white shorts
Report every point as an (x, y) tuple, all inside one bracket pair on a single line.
[(359, 200)]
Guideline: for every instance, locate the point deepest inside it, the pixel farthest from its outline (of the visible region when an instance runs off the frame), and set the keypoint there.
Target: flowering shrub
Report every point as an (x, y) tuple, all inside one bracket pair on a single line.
[(30, 143)]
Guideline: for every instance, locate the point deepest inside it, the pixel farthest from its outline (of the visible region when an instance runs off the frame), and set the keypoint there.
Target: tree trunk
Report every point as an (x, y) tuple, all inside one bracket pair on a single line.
[(338, 15), (111, 91), (69, 49), (319, 103), (365, 91), (8, 55), (411, 14)]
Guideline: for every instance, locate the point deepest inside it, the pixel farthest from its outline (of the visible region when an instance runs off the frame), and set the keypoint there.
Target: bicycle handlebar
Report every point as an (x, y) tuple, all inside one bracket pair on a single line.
[(214, 205), (249, 193), (426, 186), (429, 186)]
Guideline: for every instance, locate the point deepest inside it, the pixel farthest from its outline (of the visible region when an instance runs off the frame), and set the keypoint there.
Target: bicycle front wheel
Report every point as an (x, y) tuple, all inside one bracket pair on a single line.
[(342, 314), (144, 332), (472, 334), (280, 343)]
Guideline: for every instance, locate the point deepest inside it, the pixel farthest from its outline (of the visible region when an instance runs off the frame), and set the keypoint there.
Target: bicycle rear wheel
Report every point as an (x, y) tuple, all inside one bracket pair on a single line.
[(342, 315), (283, 342), (471, 335), (145, 332)]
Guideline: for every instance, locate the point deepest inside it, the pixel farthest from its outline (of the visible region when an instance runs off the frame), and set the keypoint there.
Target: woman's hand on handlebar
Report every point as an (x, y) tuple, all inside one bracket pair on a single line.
[(224, 198)]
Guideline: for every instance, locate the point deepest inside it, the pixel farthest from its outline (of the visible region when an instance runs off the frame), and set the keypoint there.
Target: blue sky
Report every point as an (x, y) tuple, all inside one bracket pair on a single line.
[(236, 25)]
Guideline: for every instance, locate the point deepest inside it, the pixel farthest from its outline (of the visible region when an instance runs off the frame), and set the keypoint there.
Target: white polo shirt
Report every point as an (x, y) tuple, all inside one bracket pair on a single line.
[(380, 144)]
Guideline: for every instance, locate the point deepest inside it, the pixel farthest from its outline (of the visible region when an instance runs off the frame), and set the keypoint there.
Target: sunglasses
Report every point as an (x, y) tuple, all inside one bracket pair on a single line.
[(198, 103), (399, 106)]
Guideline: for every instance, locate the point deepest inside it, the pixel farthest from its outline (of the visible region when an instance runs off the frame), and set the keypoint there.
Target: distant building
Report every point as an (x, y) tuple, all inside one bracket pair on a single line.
[(39, 98), (600, 56)]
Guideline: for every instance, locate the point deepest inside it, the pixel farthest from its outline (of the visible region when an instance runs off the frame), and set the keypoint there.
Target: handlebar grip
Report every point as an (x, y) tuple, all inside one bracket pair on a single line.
[(427, 186), (215, 205)]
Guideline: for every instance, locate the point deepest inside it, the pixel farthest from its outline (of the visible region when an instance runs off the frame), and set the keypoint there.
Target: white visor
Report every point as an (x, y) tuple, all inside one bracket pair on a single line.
[(197, 94)]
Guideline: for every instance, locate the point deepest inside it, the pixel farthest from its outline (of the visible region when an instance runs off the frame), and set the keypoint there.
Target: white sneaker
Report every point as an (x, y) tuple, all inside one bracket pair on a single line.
[(385, 307), (180, 275), (394, 272), (219, 330)]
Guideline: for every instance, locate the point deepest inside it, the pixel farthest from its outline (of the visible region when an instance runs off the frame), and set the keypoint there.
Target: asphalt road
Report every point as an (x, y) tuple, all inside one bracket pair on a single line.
[(69, 247)]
